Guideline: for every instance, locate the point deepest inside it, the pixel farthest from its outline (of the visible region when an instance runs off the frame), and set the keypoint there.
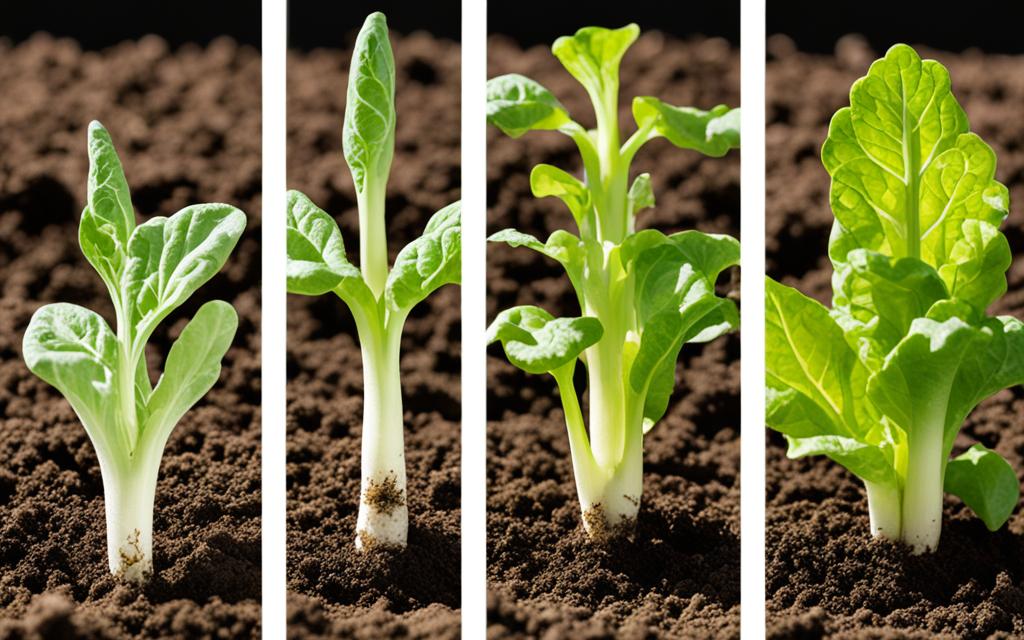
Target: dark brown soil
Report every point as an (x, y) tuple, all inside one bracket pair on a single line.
[(826, 577), (186, 124), (335, 591), (681, 576)]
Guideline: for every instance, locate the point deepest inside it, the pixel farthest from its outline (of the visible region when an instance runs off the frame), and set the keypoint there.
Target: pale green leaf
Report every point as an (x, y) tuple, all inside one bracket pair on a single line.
[(516, 104), (986, 483), (432, 260), (548, 181), (640, 194), (712, 133), (592, 55), (108, 219), (537, 342)]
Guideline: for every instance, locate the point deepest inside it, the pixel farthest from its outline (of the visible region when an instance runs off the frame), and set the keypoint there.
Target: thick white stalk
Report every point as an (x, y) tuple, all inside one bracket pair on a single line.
[(383, 518), (922, 493), (129, 489), (885, 510)]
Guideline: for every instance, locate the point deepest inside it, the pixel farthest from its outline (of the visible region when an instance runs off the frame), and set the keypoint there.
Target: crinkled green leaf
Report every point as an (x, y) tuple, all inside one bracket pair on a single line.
[(193, 366), (986, 483), (561, 245), (713, 132), (710, 253), (368, 135), (428, 262), (866, 461), (876, 298), (316, 254), (108, 219), (517, 104), (169, 258), (592, 55), (905, 172), (640, 194), (537, 342), (73, 349), (976, 271)]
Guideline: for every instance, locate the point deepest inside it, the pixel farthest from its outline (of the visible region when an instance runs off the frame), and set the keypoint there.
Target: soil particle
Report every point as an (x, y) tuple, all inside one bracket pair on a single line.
[(679, 578), (826, 577), (186, 124), (335, 590)]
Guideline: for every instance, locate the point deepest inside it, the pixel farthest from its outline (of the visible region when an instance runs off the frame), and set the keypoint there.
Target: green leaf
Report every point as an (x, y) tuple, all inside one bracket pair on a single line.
[(368, 135), (876, 298), (316, 254), (640, 194), (561, 246), (914, 386), (537, 342), (710, 253), (73, 349), (428, 262), (986, 483), (713, 132), (593, 55), (976, 271), (169, 258), (516, 104), (805, 350), (905, 172), (547, 181), (866, 461), (192, 368), (108, 219)]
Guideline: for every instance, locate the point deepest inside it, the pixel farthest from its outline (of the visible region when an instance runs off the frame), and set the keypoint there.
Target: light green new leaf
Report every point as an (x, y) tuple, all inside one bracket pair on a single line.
[(592, 55), (169, 258), (561, 246), (986, 483), (537, 342), (73, 349), (368, 136), (316, 254), (192, 368), (547, 181), (976, 271), (905, 171), (428, 262), (108, 219), (516, 104), (710, 253), (713, 132), (640, 194)]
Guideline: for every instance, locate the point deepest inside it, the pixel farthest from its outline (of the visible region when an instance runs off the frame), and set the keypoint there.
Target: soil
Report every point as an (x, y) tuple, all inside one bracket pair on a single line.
[(680, 578), (187, 126), (334, 590), (825, 576)]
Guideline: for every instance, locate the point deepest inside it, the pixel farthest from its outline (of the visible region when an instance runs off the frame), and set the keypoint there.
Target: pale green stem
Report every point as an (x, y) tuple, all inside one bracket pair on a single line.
[(923, 489), (885, 510), (373, 244)]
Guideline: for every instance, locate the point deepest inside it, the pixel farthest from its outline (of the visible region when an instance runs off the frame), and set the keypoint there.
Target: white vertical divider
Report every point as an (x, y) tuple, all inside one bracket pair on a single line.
[(273, 336), (474, 368), (752, 183)]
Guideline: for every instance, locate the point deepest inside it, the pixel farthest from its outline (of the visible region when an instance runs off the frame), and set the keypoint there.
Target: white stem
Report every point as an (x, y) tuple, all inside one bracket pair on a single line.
[(922, 493), (128, 494), (383, 507), (885, 510)]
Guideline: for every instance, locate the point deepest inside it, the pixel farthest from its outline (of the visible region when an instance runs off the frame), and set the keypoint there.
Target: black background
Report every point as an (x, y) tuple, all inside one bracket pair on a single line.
[(540, 22), (996, 27), (96, 24), (335, 23)]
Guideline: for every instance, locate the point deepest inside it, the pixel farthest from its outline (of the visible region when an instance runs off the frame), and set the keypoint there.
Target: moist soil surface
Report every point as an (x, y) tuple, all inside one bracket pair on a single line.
[(826, 577), (335, 590), (187, 126), (680, 577)]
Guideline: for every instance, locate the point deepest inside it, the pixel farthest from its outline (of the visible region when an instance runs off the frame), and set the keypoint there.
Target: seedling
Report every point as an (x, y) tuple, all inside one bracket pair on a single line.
[(380, 299), (882, 382), (642, 295), (149, 269)]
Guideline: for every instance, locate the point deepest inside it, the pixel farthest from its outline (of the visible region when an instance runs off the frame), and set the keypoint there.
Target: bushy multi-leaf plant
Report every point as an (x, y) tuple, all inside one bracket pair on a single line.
[(380, 299), (149, 269), (882, 381), (643, 295)]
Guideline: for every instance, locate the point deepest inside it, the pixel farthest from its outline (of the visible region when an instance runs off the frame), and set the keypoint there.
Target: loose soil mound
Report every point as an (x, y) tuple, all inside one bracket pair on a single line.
[(336, 591), (186, 124), (826, 577), (681, 576)]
